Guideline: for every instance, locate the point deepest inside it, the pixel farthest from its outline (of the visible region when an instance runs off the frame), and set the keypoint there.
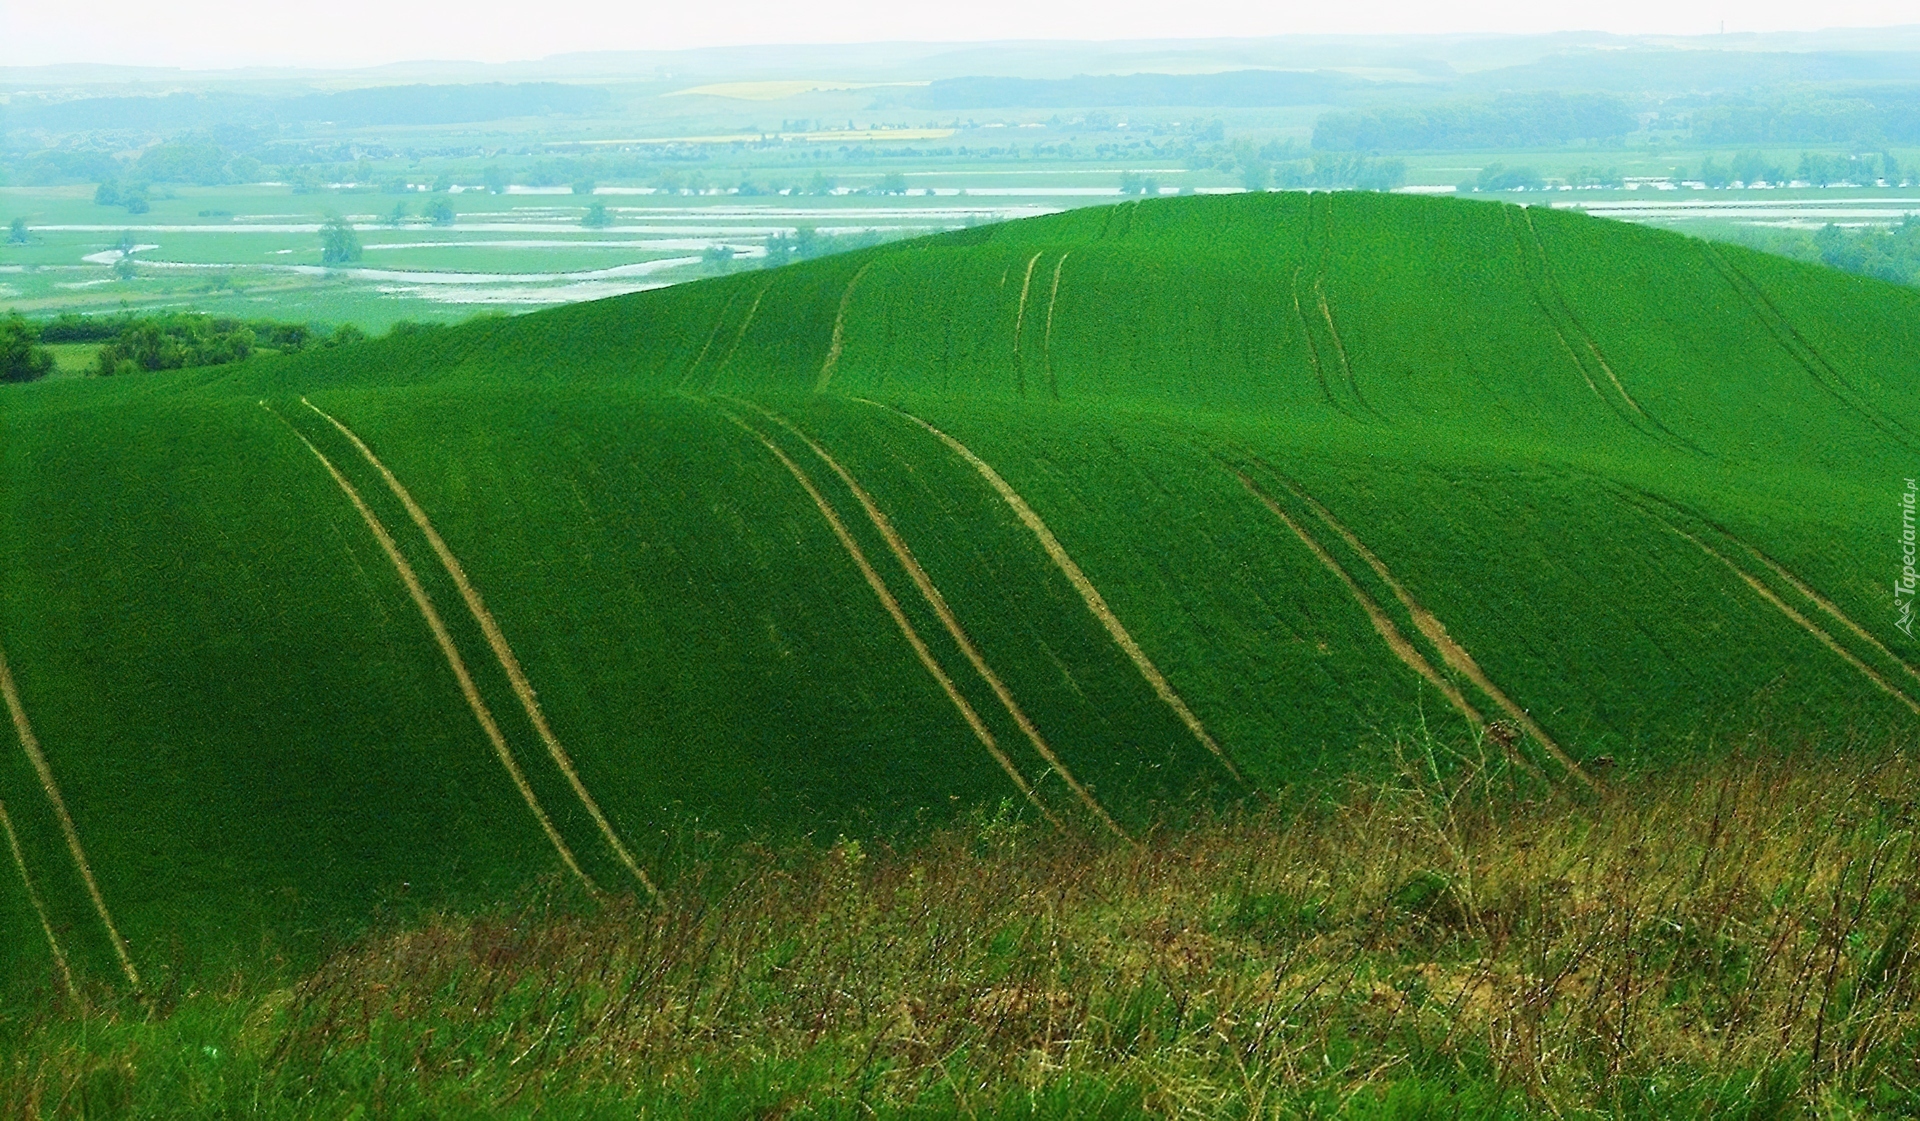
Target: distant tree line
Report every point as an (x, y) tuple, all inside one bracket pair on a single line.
[(131, 343), (1889, 254), (1867, 118), (1530, 120)]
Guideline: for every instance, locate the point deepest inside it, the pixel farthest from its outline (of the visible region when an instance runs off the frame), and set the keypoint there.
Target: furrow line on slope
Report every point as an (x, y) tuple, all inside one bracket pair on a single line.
[(1320, 275), (1773, 598), (39, 907), (1339, 348), (30, 744), (455, 662), (1096, 603), (892, 605), (502, 652), (1586, 340), (1046, 344), (839, 327), (1313, 348), (949, 620), (740, 335), (1546, 313), (1019, 320), (1809, 359), (1383, 624), (1760, 589), (719, 321), (1451, 652)]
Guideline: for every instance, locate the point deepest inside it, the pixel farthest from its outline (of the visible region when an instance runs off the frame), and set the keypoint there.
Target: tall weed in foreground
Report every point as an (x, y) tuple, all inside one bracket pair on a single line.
[(1737, 940)]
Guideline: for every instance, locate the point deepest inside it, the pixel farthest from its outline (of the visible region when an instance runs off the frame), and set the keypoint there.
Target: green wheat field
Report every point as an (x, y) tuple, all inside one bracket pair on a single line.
[(1260, 655)]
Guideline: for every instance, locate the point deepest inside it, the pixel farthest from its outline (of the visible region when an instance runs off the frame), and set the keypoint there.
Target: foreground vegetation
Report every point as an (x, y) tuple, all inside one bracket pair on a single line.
[(1735, 939)]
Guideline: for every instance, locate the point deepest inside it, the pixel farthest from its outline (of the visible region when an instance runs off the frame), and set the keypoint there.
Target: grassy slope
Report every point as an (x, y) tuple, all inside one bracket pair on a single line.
[(1513, 411)]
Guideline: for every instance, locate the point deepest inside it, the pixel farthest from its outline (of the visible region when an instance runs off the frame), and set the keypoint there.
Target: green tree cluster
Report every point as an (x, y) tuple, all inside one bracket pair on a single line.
[(21, 356), (132, 195), (1500, 177), (339, 244)]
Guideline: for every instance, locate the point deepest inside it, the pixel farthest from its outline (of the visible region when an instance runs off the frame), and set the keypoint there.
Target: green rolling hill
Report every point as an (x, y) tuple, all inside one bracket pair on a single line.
[(1103, 515)]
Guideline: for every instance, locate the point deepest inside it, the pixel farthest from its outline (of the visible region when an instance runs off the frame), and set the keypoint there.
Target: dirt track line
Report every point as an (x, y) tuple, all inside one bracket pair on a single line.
[(1096, 603), (948, 619), (30, 744), (1339, 348), (1383, 624), (33, 897), (1020, 319), (1798, 619), (1827, 606), (1313, 348), (458, 664), (1046, 345), (839, 328), (1553, 289), (1451, 652), (741, 335), (1786, 335), (502, 652), (980, 730), (719, 321)]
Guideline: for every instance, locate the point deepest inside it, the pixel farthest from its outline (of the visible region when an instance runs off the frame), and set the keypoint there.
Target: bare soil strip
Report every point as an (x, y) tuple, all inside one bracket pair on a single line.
[(458, 664), (33, 897), (1046, 344), (1096, 603), (1454, 654), (30, 744), (497, 641), (892, 605), (1020, 319), (1383, 624), (839, 328), (947, 619), (1795, 617)]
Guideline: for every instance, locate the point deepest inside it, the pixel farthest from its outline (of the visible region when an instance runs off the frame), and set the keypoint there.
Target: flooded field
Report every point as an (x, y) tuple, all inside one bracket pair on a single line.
[(256, 250)]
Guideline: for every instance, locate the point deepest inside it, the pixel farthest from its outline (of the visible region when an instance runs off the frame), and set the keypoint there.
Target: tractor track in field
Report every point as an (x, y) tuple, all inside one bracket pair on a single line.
[(938, 602), (1096, 603), (838, 342), (30, 745), (719, 322), (892, 605), (1801, 350), (1383, 624), (1452, 652), (502, 652), (1548, 296), (1019, 320), (1759, 587), (455, 662), (1322, 245), (740, 335), (1046, 343), (39, 907)]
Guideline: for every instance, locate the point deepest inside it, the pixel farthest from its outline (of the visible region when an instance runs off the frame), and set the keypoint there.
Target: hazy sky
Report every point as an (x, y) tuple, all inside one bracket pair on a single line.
[(224, 33)]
